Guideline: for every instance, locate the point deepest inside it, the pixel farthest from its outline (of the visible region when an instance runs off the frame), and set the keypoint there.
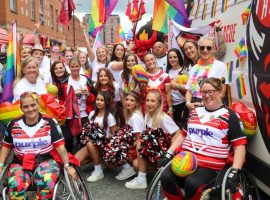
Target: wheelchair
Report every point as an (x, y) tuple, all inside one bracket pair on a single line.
[(215, 190), (66, 187)]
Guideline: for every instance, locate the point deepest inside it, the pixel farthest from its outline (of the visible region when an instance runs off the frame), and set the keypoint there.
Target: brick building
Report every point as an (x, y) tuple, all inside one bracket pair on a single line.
[(109, 31), (28, 12)]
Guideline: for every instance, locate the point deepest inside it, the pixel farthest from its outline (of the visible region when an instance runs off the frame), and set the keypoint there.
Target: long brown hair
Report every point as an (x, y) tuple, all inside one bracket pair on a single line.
[(110, 85), (126, 71)]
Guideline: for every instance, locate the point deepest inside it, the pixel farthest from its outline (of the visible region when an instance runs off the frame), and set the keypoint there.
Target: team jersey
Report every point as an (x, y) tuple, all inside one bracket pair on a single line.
[(38, 139), (210, 135)]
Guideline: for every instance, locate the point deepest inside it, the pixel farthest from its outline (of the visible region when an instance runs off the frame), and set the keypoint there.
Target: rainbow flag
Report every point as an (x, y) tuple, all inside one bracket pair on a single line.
[(224, 5), (245, 14), (239, 46), (163, 10), (237, 64), (121, 35), (204, 11), (101, 11), (240, 86), (230, 68), (228, 97), (13, 66), (243, 53), (97, 42), (214, 9)]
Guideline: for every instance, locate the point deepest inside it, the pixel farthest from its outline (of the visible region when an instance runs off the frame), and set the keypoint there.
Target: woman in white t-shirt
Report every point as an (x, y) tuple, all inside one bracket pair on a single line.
[(134, 118), (101, 115), (154, 118), (116, 63), (29, 80)]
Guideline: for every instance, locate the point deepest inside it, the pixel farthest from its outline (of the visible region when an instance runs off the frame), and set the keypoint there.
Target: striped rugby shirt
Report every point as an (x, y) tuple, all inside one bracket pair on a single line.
[(38, 139), (210, 135)]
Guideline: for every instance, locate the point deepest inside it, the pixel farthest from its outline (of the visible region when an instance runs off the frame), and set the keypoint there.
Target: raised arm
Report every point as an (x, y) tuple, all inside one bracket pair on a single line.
[(90, 51), (221, 51), (36, 31)]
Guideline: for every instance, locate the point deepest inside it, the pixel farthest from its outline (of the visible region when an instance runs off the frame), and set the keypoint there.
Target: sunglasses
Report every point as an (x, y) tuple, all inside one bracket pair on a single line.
[(209, 92), (33, 94), (208, 48)]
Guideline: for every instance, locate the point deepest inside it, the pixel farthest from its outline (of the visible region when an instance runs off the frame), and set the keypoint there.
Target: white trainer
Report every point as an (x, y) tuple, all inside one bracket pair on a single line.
[(95, 176), (125, 174), (136, 184)]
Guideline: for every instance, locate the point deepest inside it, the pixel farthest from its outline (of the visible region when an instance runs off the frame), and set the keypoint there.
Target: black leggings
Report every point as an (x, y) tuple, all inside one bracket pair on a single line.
[(171, 183)]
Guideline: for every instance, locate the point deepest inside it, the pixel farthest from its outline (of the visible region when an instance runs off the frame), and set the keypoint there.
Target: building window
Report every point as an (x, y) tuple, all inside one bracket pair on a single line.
[(56, 17), (32, 9), (51, 16), (41, 6), (13, 5)]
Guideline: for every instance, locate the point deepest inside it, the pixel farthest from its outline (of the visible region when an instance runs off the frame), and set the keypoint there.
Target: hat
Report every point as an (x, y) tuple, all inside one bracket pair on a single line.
[(37, 47), (139, 74)]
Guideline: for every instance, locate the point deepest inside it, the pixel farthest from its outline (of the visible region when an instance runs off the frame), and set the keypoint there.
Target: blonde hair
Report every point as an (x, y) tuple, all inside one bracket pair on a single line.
[(25, 62), (158, 114), (127, 113)]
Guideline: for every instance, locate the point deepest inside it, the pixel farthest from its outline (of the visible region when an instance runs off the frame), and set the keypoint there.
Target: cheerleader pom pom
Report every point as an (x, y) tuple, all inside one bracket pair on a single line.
[(115, 152), (93, 132), (154, 143)]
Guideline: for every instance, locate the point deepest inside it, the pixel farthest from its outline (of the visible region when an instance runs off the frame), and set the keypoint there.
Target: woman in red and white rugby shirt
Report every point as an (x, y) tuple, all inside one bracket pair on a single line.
[(33, 138), (209, 133)]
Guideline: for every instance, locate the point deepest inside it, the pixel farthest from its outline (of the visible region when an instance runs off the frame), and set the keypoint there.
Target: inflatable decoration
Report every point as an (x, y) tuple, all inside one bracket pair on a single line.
[(48, 105), (52, 89), (182, 79), (247, 117), (184, 164)]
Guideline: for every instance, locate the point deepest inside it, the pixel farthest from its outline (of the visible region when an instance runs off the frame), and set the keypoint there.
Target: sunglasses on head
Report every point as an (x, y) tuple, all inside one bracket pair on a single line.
[(33, 94), (208, 48)]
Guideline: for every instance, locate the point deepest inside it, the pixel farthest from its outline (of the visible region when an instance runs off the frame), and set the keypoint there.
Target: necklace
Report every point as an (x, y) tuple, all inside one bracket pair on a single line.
[(30, 124), (194, 80)]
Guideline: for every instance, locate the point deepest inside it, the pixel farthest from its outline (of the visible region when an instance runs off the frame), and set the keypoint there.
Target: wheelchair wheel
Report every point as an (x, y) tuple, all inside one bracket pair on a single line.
[(154, 191), (247, 186), (70, 189)]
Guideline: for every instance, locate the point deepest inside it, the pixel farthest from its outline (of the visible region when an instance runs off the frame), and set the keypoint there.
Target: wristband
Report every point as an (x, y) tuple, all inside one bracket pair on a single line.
[(2, 164), (170, 109), (218, 29)]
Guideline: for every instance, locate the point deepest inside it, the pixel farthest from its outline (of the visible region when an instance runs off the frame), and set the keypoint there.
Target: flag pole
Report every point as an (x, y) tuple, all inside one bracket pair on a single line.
[(74, 43), (135, 25)]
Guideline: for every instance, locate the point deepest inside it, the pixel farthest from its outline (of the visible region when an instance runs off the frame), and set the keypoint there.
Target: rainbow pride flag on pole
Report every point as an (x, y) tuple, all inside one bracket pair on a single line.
[(13, 66), (163, 10), (240, 85), (214, 9), (121, 35), (224, 5), (101, 11)]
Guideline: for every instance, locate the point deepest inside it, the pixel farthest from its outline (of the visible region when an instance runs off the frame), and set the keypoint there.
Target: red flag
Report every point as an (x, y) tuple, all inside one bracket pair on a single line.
[(128, 9), (142, 8), (65, 15), (101, 11), (73, 112)]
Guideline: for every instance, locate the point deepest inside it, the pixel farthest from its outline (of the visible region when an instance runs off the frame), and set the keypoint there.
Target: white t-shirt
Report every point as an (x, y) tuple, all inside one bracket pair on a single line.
[(218, 70), (116, 92), (25, 86), (95, 68), (177, 98), (44, 70), (136, 121), (115, 73), (162, 62), (78, 85), (99, 120), (168, 125)]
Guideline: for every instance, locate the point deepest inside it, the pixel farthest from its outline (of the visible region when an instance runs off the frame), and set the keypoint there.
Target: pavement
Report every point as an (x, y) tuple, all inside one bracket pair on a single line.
[(111, 189)]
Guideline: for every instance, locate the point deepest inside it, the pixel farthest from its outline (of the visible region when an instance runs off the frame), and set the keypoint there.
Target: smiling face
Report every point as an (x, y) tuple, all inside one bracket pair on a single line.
[(31, 71), (103, 78), (74, 68), (102, 55), (37, 54), (190, 50), (173, 59), (150, 62), (130, 103), (152, 102), (26, 52), (100, 102), (68, 56), (119, 51), (59, 70), (30, 108), (212, 98), (83, 58), (131, 61), (206, 49)]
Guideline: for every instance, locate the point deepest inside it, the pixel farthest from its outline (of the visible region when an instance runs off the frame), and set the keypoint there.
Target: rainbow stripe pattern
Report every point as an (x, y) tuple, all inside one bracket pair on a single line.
[(224, 5), (241, 49), (245, 14), (163, 10), (198, 9), (229, 96), (240, 86), (214, 9), (230, 68), (121, 35), (204, 11), (139, 74), (184, 164), (101, 11), (13, 66)]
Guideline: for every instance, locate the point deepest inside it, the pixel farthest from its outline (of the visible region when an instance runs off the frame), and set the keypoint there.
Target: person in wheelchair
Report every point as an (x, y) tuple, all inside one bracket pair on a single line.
[(209, 133), (33, 137)]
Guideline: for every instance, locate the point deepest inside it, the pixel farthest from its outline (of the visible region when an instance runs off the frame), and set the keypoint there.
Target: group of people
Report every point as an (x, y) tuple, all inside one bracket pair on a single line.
[(117, 89)]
